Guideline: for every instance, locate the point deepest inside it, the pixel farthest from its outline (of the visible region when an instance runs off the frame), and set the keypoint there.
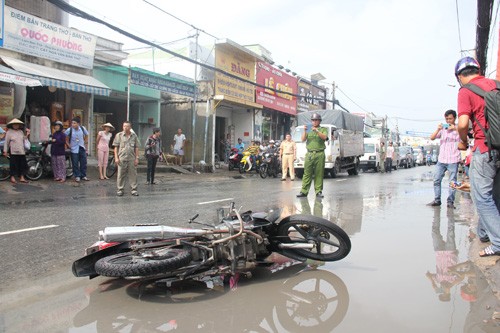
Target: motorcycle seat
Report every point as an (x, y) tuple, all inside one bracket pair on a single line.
[(270, 217)]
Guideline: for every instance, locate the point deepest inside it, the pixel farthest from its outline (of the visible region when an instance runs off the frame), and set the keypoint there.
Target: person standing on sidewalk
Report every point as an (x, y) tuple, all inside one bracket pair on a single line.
[(153, 152), (76, 141), (179, 140), (484, 172), (102, 143), (126, 146), (288, 153), (448, 159), (15, 149), (314, 165), (383, 155), (389, 156), (58, 153)]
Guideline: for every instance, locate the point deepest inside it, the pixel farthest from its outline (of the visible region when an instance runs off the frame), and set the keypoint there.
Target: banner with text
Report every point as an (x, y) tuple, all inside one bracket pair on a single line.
[(161, 84), (237, 63), (311, 97), (271, 77), (26, 33)]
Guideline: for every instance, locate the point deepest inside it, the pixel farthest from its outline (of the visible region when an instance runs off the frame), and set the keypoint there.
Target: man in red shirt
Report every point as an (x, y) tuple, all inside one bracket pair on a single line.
[(484, 175)]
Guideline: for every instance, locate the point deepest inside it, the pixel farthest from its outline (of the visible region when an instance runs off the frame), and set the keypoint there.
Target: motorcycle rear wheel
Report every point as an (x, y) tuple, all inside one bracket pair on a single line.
[(111, 168), (134, 264), (331, 242), (34, 172), (263, 170)]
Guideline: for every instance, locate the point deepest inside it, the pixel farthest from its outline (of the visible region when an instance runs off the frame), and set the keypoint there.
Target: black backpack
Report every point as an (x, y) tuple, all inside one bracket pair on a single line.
[(491, 114)]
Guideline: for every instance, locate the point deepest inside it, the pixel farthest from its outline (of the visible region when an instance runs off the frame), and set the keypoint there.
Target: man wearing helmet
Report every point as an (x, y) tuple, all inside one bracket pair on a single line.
[(314, 165), (483, 173)]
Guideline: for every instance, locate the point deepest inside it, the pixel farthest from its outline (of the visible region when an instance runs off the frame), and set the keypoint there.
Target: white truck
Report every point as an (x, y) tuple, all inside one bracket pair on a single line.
[(344, 146), (371, 158)]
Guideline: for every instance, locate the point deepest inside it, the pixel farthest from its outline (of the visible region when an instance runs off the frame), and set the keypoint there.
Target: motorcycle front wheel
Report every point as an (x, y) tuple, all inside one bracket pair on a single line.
[(35, 170), (263, 170), (137, 264), (330, 242)]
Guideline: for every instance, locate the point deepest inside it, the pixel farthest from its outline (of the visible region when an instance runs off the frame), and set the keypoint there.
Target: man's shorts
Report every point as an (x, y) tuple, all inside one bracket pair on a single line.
[(179, 152)]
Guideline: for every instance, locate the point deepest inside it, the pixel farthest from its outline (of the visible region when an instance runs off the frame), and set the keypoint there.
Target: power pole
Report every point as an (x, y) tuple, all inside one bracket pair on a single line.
[(194, 101)]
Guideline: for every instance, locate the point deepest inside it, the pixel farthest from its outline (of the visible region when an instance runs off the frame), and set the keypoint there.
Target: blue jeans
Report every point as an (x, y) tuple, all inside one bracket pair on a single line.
[(438, 178), (79, 163), (485, 191)]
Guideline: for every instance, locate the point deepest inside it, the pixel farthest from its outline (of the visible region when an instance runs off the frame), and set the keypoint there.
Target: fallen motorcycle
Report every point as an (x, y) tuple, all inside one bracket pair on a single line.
[(40, 163), (237, 244)]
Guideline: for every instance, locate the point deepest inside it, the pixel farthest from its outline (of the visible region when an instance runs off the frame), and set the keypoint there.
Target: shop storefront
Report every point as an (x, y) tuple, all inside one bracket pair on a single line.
[(280, 108), (145, 97), (61, 59), (237, 114)]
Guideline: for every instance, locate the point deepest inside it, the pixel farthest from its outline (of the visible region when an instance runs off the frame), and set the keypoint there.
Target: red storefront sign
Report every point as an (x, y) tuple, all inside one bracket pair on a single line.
[(271, 77)]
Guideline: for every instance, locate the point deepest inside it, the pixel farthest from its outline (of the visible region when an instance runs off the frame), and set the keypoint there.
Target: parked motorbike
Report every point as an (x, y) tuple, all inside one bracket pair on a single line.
[(236, 245), (39, 163), (246, 165), (270, 165), (234, 159), (4, 163)]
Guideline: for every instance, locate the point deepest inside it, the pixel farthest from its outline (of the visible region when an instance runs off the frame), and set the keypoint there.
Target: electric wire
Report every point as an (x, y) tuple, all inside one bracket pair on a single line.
[(179, 19), (351, 100)]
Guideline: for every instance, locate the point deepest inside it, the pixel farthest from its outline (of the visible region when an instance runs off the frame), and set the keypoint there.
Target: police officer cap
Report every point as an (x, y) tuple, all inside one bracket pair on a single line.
[(316, 116)]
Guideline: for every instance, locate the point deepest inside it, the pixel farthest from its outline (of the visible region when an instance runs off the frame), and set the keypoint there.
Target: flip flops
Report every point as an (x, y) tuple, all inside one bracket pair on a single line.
[(488, 252)]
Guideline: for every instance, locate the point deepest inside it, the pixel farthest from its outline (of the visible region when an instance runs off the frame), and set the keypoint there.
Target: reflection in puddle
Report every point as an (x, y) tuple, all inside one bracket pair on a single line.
[(284, 297)]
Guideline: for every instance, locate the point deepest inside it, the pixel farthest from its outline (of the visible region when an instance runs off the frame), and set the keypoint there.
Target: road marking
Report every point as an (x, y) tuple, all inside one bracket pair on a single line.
[(28, 229), (209, 202), (341, 180)]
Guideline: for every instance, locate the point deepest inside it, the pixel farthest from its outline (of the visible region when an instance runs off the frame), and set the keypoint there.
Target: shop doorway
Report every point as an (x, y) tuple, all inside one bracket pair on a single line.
[(220, 134)]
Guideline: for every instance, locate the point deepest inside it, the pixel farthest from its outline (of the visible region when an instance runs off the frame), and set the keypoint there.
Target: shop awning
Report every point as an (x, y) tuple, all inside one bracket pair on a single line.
[(237, 101), (58, 78), (11, 76)]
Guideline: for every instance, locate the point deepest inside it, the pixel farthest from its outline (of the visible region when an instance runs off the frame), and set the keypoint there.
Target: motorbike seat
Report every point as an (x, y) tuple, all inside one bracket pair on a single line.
[(263, 217)]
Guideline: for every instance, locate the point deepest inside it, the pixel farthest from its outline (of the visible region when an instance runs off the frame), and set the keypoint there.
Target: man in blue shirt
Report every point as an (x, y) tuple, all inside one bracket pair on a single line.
[(75, 136), (240, 146)]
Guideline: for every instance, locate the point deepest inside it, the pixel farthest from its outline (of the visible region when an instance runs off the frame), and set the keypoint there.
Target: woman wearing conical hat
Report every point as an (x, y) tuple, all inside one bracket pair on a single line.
[(14, 148), (102, 142)]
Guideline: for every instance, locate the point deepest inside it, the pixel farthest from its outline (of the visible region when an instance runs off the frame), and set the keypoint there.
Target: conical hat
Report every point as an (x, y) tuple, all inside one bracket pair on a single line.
[(14, 121), (111, 127)]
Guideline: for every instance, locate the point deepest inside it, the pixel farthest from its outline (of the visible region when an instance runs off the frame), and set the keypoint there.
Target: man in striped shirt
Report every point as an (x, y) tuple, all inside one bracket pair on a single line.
[(449, 157)]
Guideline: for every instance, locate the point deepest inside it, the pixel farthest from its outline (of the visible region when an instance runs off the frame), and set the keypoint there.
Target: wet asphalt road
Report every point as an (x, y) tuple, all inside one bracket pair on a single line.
[(408, 270)]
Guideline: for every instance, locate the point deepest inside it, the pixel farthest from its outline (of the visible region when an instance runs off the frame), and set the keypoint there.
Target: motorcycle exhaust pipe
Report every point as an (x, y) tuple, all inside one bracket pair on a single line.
[(295, 246), (123, 234)]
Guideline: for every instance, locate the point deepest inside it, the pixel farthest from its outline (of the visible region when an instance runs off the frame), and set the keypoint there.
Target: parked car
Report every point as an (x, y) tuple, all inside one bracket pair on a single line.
[(406, 159), (418, 156)]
